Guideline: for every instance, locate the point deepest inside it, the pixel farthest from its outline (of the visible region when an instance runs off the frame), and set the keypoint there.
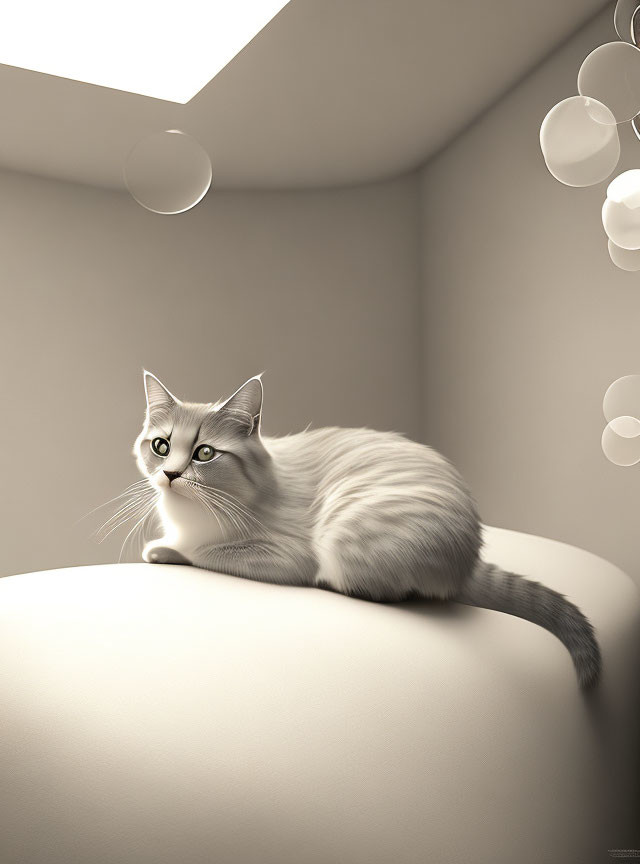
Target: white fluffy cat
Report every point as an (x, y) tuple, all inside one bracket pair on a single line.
[(369, 514)]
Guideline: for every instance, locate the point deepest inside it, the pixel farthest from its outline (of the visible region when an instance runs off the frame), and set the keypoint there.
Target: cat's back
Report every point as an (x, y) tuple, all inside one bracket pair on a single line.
[(352, 457), (384, 510)]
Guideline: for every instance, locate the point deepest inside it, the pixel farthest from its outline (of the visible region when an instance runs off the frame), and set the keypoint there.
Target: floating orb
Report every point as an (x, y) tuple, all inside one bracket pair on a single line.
[(627, 21), (579, 141), (168, 172), (621, 441), (621, 210), (622, 398), (611, 74), (625, 259)]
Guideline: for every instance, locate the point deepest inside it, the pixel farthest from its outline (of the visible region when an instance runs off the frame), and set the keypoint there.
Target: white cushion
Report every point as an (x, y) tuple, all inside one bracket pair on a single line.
[(169, 715)]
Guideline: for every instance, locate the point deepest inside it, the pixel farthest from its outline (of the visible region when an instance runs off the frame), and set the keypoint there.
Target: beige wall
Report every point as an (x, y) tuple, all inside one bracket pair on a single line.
[(318, 289), (527, 322), (524, 324)]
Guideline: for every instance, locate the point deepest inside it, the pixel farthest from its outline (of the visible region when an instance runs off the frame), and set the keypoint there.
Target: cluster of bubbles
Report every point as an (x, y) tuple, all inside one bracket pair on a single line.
[(621, 435), (579, 136), (168, 172)]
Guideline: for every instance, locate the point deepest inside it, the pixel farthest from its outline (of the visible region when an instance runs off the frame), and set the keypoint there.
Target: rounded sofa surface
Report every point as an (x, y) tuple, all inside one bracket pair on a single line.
[(169, 714)]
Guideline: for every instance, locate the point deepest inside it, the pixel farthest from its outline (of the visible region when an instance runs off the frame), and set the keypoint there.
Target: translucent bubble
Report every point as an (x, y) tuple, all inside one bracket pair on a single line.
[(625, 259), (635, 125), (622, 398), (168, 172), (621, 210), (627, 21), (621, 441), (579, 141), (611, 74)]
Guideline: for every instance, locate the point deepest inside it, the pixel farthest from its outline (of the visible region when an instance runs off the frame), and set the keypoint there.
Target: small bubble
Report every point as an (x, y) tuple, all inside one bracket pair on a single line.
[(611, 74), (622, 398), (168, 172), (625, 20), (621, 441), (621, 210), (579, 141)]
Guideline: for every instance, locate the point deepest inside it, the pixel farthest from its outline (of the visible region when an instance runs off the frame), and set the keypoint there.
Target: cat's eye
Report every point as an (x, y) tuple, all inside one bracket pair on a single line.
[(160, 446), (204, 453)]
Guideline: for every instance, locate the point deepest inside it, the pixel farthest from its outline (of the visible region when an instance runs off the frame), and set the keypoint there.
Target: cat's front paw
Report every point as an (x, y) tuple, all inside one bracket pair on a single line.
[(164, 555)]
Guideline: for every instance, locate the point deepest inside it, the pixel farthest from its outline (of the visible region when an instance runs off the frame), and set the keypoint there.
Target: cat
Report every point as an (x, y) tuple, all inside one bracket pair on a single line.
[(368, 514)]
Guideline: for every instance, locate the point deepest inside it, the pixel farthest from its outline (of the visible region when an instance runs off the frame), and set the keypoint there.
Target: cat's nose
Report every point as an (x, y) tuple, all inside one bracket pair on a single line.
[(172, 475)]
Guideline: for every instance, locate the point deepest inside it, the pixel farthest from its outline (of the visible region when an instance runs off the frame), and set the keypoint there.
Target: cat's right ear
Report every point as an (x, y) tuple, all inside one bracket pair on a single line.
[(157, 394)]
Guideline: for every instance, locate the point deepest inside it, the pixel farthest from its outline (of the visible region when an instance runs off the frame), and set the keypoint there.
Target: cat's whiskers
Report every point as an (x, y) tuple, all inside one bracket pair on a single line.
[(126, 513), (204, 501), (122, 515), (242, 517), (147, 512), (130, 496), (233, 503), (132, 499), (238, 518), (139, 484), (234, 521), (142, 538), (214, 505), (236, 501)]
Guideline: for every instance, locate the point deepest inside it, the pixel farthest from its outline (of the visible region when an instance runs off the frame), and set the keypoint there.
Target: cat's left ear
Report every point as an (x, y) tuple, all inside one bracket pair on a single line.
[(157, 394), (246, 404)]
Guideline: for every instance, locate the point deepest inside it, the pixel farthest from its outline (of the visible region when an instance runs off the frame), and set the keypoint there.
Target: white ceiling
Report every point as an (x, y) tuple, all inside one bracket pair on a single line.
[(331, 92)]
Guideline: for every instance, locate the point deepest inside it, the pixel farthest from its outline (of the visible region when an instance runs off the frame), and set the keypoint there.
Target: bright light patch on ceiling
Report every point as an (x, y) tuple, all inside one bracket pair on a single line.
[(160, 49)]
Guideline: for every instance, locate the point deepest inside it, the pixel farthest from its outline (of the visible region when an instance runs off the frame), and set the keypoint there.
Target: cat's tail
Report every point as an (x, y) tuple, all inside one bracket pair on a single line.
[(492, 588)]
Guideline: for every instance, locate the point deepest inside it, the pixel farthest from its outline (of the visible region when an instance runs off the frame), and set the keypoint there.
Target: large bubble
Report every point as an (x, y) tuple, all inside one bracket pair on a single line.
[(621, 441), (611, 74), (621, 210), (627, 20), (168, 172), (579, 141)]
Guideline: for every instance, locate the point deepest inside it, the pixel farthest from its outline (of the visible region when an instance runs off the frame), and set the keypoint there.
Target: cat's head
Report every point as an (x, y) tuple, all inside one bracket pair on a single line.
[(187, 448)]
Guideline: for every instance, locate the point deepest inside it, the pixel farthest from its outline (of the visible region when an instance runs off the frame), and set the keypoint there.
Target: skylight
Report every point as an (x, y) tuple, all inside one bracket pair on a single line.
[(167, 50)]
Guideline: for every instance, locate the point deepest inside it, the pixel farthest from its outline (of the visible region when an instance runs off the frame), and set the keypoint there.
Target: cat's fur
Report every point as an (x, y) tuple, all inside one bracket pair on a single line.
[(368, 514)]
